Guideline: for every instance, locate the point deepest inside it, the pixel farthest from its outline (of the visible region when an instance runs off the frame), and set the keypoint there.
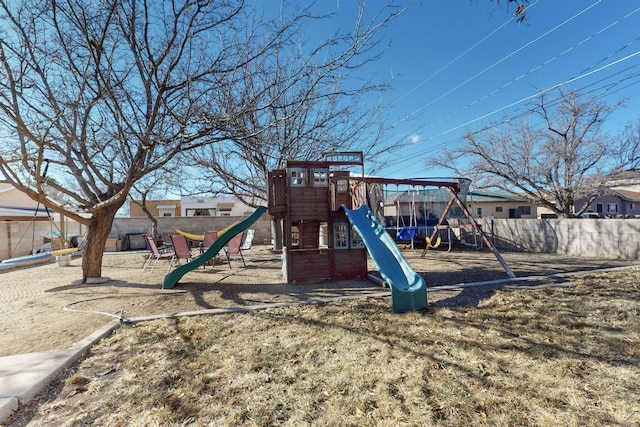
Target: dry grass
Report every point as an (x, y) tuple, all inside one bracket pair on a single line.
[(562, 355)]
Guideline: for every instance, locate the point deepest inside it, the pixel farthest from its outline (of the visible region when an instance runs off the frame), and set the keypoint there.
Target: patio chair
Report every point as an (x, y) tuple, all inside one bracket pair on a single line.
[(156, 253), (181, 249), (248, 240), (234, 248), (209, 239)]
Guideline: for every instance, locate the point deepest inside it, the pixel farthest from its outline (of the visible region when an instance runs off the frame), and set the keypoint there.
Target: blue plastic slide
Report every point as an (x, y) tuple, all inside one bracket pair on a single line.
[(408, 289), (172, 278)]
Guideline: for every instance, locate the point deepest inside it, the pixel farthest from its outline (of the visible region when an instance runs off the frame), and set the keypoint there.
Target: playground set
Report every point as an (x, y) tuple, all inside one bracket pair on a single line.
[(328, 219)]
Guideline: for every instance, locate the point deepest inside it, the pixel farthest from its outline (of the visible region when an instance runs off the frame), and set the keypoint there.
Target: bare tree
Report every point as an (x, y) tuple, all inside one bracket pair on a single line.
[(107, 92), (552, 162), (154, 185), (297, 103), (520, 11)]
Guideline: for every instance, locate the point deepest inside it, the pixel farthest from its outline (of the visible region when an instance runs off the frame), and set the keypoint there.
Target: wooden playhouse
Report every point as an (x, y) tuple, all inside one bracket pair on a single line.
[(317, 240)]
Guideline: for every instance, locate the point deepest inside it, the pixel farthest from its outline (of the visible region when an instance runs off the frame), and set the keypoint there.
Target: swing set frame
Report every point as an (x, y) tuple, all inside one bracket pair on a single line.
[(454, 189)]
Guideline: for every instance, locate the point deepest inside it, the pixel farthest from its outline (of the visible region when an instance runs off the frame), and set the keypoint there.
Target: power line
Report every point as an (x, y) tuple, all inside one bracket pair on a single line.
[(548, 61), (456, 59), (583, 74), (608, 91), (406, 117)]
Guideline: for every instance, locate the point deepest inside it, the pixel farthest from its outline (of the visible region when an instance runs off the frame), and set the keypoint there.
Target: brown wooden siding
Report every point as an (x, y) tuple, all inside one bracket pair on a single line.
[(309, 265), (350, 264), (310, 234), (277, 192), (307, 203)]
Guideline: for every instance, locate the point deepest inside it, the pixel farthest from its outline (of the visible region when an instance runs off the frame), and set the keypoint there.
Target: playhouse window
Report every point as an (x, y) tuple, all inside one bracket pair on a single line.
[(323, 237), (320, 177), (356, 240), (343, 185), (295, 236), (341, 235), (297, 177)]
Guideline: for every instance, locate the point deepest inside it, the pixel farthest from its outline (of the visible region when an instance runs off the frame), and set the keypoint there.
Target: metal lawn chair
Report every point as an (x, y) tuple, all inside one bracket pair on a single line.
[(248, 240), (156, 253), (181, 249), (234, 248)]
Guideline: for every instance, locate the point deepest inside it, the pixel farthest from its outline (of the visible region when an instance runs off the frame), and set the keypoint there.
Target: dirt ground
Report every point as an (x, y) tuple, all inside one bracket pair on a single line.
[(43, 307)]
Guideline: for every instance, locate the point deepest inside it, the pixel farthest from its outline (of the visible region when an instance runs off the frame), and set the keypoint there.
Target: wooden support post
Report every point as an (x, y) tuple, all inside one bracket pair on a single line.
[(486, 240), (455, 199)]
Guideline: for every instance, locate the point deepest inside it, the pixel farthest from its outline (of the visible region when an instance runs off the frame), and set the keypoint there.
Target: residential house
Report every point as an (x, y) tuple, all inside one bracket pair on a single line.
[(214, 206), (192, 206), (156, 208), (26, 226), (17, 206), (429, 204), (615, 203), (500, 206)]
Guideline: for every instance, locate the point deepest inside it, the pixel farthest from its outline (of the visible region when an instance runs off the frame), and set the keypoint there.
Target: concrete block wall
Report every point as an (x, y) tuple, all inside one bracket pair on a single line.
[(18, 238), (196, 225), (605, 238)]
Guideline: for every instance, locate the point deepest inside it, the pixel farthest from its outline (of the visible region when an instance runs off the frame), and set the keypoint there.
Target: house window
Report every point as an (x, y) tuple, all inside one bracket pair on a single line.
[(498, 208), (166, 210), (343, 185), (599, 207), (295, 236), (632, 206), (612, 208), (340, 235), (356, 240), (297, 177), (479, 212), (524, 210), (201, 212), (320, 177)]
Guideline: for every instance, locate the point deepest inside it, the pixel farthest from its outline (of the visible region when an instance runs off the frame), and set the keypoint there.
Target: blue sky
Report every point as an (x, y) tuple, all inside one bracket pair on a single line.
[(460, 65)]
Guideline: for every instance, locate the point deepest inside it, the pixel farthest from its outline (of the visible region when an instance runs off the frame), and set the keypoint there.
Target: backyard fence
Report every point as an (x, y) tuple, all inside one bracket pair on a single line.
[(604, 238)]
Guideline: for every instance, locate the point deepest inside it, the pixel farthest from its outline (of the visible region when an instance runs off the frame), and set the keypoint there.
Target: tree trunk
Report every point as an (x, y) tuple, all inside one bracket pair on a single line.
[(97, 235)]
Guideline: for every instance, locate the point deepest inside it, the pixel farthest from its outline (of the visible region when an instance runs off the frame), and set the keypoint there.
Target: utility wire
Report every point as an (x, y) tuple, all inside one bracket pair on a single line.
[(548, 61), (584, 73), (457, 58), (414, 112), (608, 92)]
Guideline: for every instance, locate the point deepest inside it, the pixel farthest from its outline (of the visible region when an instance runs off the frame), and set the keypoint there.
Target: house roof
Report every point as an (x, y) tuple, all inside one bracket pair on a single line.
[(630, 196), (443, 196), (631, 174), (24, 213), (487, 197)]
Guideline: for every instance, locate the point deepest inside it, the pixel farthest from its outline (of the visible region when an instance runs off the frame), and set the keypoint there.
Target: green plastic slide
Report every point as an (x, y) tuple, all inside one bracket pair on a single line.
[(173, 277), (408, 289)]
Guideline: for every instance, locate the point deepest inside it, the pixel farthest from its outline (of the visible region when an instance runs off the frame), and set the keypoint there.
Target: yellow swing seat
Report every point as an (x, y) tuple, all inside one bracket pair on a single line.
[(434, 245)]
